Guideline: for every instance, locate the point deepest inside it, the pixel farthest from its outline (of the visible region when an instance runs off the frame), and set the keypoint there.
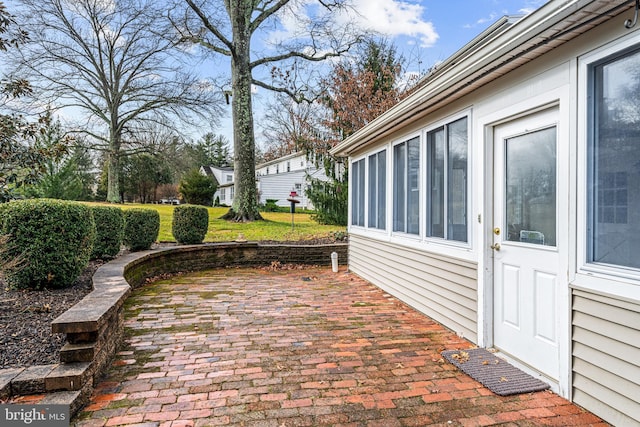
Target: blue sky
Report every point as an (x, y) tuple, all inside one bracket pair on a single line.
[(424, 31)]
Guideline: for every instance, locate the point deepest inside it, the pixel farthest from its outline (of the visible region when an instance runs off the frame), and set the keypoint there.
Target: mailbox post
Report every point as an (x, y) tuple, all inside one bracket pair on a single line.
[(292, 199)]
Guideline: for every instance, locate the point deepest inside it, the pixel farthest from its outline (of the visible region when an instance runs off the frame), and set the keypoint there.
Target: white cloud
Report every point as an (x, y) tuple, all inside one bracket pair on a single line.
[(396, 18), (389, 17)]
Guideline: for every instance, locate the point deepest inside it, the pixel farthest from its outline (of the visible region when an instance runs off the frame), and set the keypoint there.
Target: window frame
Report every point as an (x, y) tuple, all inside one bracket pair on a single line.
[(368, 191), (601, 277), (392, 200), (426, 204), (360, 195)]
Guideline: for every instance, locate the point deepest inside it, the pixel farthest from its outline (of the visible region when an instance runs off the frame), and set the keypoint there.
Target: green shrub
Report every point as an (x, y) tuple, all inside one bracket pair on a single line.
[(271, 205), (197, 189), (190, 224), (3, 208), (109, 231), (141, 228), (49, 242)]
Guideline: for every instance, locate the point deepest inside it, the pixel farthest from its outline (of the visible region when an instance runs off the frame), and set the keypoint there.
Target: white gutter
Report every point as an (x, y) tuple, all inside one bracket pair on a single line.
[(487, 53)]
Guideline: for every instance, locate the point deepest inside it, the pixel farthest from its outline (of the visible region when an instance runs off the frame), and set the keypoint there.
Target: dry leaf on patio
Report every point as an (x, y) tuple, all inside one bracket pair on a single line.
[(461, 357)]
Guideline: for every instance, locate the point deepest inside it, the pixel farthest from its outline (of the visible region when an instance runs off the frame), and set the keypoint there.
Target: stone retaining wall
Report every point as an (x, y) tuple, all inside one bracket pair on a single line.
[(94, 326)]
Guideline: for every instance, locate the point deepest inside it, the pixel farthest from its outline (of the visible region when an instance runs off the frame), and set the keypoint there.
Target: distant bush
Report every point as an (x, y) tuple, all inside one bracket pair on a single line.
[(141, 227), (190, 224), (49, 242), (271, 205), (198, 189), (109, 231)]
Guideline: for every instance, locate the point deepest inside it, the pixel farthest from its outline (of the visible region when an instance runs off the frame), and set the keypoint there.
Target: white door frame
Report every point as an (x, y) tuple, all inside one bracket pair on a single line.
[(485, 131)]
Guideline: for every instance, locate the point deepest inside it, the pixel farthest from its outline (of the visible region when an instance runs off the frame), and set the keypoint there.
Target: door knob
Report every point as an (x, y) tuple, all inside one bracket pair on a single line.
[(496, 231), (495, 246)]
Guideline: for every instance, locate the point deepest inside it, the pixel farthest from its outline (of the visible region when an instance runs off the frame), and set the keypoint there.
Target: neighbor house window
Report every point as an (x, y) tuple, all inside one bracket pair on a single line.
[(613, 226), (378, 190), (447, 181), (231, 191), (223, 194), (406, 186), (357, 193)]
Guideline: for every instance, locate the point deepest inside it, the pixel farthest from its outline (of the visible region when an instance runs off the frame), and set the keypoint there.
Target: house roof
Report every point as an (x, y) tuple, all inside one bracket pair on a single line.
[(280, 159), (503, 47)]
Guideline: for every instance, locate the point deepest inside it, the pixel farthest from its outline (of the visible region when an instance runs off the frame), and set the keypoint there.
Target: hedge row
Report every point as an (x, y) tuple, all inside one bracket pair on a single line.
[(47, 243)]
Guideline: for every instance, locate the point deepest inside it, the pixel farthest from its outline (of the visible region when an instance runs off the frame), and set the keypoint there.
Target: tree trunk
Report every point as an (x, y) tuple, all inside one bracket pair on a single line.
[(113, 177), (245, 203)]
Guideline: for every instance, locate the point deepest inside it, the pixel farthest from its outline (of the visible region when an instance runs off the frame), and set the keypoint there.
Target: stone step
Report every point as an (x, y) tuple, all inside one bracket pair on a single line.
[(75, 399), (31, 380), (6, 376), (45, 378), (84, 352), (69, 377)]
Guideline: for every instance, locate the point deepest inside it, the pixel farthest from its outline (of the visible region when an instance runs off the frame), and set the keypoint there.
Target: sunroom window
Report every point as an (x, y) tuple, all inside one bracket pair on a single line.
[(447, 181), (357, 193), (377, 190), (614, 161), (406, 186)]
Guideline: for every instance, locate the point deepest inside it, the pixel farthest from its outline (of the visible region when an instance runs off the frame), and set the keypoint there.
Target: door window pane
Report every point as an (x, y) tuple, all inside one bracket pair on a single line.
[(614, 162), (530, 188)]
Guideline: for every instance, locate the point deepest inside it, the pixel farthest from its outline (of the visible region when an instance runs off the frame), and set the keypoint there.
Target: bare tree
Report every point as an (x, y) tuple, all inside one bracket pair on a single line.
[(112, 62), (288, 126), (317, 30)]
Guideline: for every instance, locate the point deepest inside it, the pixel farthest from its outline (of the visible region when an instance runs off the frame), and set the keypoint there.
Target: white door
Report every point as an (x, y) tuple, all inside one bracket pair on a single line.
[(525, 241)]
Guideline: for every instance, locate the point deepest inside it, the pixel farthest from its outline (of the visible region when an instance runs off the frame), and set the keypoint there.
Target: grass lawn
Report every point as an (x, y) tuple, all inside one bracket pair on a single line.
[(276, 226)]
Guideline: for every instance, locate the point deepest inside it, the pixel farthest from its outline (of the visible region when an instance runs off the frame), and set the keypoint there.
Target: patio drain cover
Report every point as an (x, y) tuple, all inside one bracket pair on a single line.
[(494, 373)]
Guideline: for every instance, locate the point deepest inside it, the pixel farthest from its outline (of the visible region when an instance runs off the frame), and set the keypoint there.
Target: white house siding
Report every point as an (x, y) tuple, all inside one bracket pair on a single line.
[(606, 357), (279, 186), (443, 288)]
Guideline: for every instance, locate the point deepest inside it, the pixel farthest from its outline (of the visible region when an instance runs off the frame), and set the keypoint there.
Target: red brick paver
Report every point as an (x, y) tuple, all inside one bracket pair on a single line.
[(308, 347)]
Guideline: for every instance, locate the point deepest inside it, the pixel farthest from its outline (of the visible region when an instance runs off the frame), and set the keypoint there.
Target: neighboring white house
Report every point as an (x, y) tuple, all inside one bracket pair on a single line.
[(275, 180), (224, 178), (278, 178), (502, 199)]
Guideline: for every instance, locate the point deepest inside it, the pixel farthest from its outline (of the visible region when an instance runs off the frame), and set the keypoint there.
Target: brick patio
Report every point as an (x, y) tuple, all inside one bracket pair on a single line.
[(250, 347)]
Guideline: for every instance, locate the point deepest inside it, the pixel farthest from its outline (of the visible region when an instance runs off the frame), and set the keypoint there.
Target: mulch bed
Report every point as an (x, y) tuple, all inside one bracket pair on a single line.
[(26, 316)]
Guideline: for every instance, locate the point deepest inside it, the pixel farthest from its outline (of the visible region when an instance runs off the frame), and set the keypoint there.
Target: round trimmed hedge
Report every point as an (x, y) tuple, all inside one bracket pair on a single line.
[(190, 224), (141, 228), (109, 231), (49, 242)]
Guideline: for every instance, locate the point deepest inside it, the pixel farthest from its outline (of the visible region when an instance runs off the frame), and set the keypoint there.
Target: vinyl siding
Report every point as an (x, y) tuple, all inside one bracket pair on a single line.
[(279, 186), (606, 357), (443, 288)]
